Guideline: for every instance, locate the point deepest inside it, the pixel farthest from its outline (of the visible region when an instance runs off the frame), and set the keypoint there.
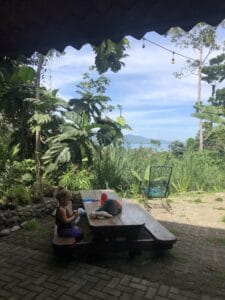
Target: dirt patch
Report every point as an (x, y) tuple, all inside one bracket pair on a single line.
[(197, 209)]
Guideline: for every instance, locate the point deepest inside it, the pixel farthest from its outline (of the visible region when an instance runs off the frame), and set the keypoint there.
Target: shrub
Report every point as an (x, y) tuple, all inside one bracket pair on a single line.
[(17, 172), (19, 195), (197, 171), (77, 180), (33, 225), (37, 193), (47, 188)]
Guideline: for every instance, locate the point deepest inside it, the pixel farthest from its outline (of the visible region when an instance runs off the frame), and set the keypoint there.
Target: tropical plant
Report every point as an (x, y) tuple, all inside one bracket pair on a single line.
[(76, 179), (74, 144), (18, 195), (176, 148), (17, 172), (84, 126), (94, 104), (112, 169), (16, 84), (109, 55)]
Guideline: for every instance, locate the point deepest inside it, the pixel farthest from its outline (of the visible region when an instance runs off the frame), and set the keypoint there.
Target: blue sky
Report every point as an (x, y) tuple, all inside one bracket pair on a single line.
[(155, 104)]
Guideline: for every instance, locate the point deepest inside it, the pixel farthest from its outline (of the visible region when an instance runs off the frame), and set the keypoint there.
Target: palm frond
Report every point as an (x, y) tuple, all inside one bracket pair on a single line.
[(41, 119), (64, 156)]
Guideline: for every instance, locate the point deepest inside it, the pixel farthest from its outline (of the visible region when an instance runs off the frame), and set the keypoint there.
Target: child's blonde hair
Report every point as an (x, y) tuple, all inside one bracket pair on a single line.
[(62, 193)]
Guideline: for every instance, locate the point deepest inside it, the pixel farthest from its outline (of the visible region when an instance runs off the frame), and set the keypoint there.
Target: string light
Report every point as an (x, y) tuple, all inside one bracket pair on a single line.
[(173, 59), (167, 49), (143, 43)]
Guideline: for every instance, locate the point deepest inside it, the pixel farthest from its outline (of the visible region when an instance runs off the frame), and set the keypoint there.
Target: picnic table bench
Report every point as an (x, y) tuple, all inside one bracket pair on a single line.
[(133, 229)]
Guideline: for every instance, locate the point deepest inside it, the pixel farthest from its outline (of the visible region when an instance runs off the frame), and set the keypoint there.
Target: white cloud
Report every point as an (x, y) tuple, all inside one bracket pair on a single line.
[(155, 103), (68, 68)]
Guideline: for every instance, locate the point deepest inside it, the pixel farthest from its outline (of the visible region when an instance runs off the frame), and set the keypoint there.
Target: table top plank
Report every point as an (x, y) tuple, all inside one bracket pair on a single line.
[(91, 207), (125, 218)]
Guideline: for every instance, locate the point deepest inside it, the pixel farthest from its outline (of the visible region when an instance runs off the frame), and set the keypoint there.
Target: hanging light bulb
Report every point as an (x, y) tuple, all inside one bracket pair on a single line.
[(143, 44), (173, 59)]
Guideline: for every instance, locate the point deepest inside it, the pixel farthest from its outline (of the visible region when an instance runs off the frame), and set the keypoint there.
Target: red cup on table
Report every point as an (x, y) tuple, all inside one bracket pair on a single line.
[(104, 197)]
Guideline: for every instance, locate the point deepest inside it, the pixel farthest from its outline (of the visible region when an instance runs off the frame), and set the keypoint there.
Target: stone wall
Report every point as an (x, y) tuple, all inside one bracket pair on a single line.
[(10, 218)]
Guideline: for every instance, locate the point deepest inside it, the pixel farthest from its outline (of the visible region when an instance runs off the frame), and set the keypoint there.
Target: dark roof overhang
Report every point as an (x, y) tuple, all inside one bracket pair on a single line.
[(27, 26)]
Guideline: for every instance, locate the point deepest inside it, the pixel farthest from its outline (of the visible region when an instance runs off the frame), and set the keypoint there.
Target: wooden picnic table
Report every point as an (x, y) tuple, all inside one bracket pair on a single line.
[(123, 224), (128, 223), (132, 230)]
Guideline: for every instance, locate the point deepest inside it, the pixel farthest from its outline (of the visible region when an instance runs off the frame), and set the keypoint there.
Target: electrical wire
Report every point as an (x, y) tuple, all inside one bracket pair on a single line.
[(169, 50)]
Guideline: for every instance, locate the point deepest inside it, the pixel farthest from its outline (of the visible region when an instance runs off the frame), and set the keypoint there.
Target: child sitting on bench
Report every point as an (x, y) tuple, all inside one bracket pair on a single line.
[(64, 218)]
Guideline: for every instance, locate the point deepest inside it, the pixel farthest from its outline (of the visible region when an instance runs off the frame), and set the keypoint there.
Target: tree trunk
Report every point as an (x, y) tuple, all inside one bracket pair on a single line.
[(38, 131), (201, 141)]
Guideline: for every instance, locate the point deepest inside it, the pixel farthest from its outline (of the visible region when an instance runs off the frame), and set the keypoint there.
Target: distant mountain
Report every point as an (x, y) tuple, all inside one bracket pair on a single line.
[(137, 139)]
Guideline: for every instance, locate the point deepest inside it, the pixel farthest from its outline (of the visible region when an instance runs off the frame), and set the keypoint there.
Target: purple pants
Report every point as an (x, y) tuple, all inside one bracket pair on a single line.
[(71, 232)]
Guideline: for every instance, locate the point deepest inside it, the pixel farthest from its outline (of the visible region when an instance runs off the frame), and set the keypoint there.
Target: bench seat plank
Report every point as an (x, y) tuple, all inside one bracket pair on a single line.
[(62, 241), (158, 231)]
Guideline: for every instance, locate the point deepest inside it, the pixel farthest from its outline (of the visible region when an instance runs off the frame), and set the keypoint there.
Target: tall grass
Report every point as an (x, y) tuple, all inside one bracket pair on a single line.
[(194, 171), (197, 171), (115, 168)]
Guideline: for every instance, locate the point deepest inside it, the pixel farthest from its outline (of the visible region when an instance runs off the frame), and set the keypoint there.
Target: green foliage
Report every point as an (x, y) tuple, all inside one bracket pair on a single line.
[(122, 123), (109, 55), (5, 135), (214, 113), (215, 71), (191, 144), (47, 109), (200, 35), (197, 172), (36, 190), (176, 148), (84, 125), (17, 172), (72, 145), (123, 169), (80, 132), (112, 169), (223, 219), (19, 195), (33, 225), (16, 84), (142, 178), (75, 180), (23, 74), (47, 187)]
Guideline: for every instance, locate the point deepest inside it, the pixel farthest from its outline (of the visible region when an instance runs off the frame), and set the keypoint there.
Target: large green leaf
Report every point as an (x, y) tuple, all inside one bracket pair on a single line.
[(64, 156), (41, 118), (24, 74)]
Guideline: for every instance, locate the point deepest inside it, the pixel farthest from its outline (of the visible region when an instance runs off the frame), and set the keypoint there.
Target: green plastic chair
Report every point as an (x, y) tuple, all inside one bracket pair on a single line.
[(158, 183)]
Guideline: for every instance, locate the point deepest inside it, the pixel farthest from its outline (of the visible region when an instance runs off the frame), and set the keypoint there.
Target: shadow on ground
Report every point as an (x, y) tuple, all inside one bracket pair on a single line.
[(196, 262)]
